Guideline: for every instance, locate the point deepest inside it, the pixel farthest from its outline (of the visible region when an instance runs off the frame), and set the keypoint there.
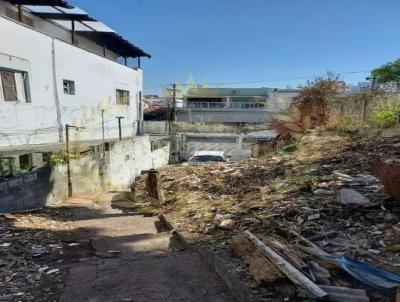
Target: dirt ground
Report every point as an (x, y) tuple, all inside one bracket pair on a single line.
[(324, 189), (103, 254)]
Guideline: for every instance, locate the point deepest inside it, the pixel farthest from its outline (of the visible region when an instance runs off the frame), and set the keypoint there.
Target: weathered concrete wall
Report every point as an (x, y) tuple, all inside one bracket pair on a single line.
[(223, 116), (161, 157), (96, 80), (156, 127), (48, 186), (26, 192)]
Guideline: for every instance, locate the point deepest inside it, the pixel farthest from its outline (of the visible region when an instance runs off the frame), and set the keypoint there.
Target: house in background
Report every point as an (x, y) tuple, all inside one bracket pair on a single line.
[(60, 66), (233, 105)]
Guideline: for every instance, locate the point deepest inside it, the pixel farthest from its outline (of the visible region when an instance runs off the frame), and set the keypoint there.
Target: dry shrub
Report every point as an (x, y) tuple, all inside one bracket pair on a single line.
[(310, 108)]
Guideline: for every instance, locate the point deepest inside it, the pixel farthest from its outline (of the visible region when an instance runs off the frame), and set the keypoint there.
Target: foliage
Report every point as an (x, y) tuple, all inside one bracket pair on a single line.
[(289, 148), (388, 75), (57, 159), (313, 100), (384, 116), (310, 108)]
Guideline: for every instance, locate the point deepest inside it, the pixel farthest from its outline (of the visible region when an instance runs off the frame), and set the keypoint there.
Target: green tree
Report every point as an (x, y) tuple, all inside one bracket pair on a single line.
[(388, 75)]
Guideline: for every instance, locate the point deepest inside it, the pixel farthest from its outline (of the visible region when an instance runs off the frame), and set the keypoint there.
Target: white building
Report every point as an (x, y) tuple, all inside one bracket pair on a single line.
[(59, 66)]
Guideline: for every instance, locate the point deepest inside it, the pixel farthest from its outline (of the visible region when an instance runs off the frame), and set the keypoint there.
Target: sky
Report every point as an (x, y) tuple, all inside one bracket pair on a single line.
[(254, 43)]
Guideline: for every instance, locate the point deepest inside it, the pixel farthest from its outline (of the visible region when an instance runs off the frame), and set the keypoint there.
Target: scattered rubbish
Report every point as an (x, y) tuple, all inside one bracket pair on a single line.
[(52, 271), (6, 244), (296, 276)]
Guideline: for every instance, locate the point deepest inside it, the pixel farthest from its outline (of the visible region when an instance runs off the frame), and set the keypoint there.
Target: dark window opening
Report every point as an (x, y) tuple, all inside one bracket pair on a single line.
[(69, 87), (122, 97), (13, 86)]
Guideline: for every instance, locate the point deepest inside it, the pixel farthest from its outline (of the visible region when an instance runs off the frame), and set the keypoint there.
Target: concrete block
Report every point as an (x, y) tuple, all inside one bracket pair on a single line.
[(15, 182), (30, 177)]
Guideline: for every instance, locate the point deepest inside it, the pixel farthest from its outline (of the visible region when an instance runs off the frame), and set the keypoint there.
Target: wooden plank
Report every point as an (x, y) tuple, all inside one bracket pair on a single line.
[(297, 277), (341, 294)]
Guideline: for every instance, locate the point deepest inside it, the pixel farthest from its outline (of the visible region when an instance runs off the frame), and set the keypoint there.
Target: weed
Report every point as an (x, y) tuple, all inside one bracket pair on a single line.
[(289, 148)]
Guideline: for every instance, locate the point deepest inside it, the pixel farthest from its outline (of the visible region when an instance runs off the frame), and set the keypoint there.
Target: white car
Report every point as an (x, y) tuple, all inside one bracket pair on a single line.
[(207, 156)]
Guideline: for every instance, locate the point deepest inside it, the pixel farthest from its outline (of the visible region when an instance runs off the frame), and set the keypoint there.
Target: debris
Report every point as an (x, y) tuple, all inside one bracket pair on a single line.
[(343, 176), (154, 187), (323, 192), (37, 250), (6, 244), (389, 173), (227, 224), (342, 294), (314, 217), (52, 271), (260, 267), (351, 197), (297, 277)]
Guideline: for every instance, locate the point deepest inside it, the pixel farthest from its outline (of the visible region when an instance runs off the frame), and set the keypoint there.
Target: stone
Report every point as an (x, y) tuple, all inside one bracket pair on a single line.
[(366, 179), (323, 192), (227, 224), (351, 197)]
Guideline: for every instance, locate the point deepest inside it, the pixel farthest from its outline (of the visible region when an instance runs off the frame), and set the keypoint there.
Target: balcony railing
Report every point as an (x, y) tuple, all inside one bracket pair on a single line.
[(226, 105)]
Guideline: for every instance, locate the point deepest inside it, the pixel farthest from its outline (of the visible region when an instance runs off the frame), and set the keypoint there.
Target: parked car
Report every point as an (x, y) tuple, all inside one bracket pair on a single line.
[(199, 157)]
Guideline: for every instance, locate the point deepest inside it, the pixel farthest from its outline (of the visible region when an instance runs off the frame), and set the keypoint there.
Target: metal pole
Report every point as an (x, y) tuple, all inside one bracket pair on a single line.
[(73, 31), (20, 13), (119, 126), (102, 129), (68, 161), (173, 100), (138, 62)]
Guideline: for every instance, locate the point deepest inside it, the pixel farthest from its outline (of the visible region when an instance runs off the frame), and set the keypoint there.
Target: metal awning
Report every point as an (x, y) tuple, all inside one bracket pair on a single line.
[(115, 43), (59, 13), (60, 3)]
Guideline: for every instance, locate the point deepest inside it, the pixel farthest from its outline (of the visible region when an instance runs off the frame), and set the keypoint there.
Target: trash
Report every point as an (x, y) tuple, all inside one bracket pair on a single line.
[(314, 217), (6, 244), (343, 176), (323, 192), (37, 251), (351, 197), (296, 276), (227, 224), (52, 271)]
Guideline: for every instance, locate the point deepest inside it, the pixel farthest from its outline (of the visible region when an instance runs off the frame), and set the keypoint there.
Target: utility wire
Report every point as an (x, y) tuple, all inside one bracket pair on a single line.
[(267, 81)]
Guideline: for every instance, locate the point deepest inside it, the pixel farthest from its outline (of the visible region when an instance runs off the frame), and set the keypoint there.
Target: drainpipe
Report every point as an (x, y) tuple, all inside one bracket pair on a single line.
[(55, 91)]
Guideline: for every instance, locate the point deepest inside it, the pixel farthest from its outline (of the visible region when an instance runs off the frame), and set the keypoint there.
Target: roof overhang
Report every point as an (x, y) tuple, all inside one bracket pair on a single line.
[(60, 3), (115, 43)]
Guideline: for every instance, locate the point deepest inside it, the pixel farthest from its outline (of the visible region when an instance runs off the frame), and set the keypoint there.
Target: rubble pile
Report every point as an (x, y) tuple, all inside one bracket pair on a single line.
[(326, 191), (31, 255)]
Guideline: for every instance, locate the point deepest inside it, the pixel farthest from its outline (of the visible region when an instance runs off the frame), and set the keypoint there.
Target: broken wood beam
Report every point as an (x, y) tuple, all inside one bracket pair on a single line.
[(296, 276)]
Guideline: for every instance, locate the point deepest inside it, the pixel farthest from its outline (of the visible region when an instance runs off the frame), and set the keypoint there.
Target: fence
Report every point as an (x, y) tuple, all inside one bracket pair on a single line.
[(226, 105), (362, 109)]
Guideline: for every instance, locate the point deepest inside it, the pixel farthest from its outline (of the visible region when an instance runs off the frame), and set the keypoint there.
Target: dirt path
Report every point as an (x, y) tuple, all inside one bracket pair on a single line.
[(135, 261)]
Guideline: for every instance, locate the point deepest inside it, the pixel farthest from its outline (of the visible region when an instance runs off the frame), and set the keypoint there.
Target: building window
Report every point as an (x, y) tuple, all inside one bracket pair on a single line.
[(122, 97), (69, 87), (13, 86)]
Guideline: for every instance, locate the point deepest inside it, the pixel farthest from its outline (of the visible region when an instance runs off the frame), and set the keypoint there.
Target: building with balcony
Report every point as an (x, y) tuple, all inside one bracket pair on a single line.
[(234, 105), (59, 66)]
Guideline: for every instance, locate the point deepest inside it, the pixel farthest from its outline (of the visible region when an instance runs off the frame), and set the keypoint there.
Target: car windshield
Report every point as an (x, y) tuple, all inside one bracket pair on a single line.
[(205, 158)]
